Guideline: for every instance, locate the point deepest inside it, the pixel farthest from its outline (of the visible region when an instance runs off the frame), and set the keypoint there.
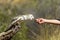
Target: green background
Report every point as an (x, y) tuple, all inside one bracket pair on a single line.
[(49, 9)]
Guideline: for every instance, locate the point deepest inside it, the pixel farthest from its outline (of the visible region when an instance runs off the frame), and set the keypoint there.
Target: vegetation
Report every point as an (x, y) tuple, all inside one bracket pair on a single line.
[(30, 30)]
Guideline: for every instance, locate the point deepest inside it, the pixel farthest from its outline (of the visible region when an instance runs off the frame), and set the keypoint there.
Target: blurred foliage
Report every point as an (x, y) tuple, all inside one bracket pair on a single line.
[(30, 30)]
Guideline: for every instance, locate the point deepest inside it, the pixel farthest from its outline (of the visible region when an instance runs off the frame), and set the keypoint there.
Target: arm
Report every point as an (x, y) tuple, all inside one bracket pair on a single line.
[(52, 21)]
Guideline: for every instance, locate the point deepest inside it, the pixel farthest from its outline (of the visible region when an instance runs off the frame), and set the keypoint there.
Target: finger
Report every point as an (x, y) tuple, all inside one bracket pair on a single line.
[(37, 20)]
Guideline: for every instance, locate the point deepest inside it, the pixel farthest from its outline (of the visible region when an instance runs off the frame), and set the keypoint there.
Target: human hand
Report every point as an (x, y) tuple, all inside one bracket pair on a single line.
[(40, 20)]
